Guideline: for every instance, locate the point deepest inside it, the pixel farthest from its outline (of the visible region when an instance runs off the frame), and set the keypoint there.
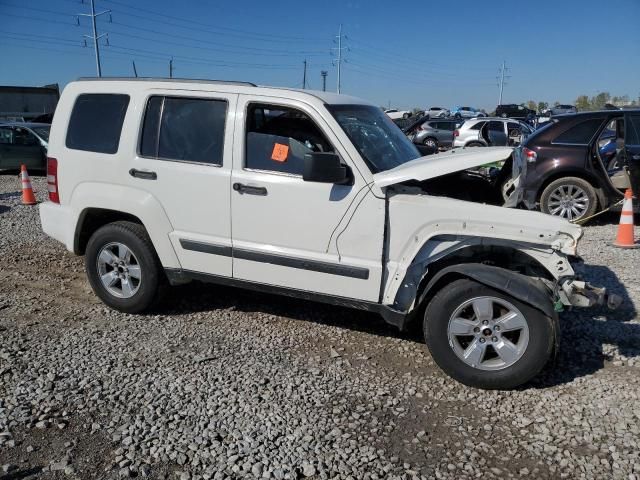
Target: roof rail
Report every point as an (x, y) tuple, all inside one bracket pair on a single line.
[(165, 79)]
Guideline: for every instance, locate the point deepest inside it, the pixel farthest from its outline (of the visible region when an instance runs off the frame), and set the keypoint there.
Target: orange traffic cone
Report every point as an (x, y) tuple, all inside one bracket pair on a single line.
[(625, 237), (28, 198)]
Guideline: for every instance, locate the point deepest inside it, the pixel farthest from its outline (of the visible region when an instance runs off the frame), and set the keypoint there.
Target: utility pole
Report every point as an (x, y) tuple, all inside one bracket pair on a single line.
[(324, 80), (339, 59), (171, 68), (501, 77), (304, 75), (95, 37), (135, 72)]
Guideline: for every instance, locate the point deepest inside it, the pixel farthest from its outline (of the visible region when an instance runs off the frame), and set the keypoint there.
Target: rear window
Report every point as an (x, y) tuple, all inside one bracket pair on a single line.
[(580, 134), (96, 122)]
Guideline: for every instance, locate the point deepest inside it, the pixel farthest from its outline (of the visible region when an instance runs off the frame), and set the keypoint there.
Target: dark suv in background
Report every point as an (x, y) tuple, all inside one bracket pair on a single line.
[(512, 110), (561, 169)]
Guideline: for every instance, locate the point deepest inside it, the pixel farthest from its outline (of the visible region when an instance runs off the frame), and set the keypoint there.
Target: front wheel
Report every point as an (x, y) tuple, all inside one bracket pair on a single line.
[(571, 198), (485, 338), (123, 268)]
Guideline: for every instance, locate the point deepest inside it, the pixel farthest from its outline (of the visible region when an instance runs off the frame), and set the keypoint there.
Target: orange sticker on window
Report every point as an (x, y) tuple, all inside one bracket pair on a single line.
[(280, 152)]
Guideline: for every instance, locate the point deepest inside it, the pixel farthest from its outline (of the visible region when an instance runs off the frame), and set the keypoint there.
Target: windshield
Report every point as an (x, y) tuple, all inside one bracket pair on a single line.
[(380, 142), (42, 132)]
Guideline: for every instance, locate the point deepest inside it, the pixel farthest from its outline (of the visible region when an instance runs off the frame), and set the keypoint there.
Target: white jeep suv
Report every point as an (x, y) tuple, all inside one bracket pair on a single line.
[(308, 194)]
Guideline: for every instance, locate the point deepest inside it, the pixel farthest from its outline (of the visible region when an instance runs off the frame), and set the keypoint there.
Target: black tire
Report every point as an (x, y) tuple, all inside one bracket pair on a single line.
[(405, 116), (475, 144), (545, 198), (538, 351), (458, 116), (135, 238), (431, 143)]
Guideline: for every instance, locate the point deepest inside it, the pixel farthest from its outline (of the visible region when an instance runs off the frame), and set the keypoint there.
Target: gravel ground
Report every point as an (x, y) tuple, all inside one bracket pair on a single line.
[(222, 383)]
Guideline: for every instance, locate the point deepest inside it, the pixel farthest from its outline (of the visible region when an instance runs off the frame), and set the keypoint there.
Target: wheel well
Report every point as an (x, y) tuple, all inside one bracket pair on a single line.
[(499, 256), (568, 173), (474, 143), (91, 219)]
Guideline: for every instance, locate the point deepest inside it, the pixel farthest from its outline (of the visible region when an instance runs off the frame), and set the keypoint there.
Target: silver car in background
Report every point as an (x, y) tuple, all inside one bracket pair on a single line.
[(436, 134)]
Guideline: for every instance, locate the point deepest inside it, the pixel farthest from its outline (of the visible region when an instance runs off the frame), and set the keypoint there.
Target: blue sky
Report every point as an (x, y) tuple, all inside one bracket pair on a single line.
[(408, 54)]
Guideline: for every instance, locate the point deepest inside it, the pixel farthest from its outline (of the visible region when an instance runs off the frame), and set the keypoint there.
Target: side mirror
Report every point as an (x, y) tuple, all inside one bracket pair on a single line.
[(325, 168)]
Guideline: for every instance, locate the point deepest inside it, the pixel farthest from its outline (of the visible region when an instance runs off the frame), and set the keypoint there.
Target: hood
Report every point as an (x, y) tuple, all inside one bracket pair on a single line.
[(440, 164)]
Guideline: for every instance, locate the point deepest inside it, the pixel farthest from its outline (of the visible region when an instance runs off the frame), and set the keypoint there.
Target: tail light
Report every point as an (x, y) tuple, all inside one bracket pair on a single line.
[(52, 180), (456, 133), (529, 154)]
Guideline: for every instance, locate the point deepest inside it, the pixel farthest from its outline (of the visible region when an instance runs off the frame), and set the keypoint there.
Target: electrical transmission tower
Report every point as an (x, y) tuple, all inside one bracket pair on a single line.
[(95, 37), (340, 58), (501, 80)]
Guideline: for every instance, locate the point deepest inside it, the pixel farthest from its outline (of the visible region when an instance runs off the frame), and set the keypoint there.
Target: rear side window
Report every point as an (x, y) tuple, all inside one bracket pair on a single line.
[(184, 129), (580, 134), (633, 130), (477, 126), (96, 122)]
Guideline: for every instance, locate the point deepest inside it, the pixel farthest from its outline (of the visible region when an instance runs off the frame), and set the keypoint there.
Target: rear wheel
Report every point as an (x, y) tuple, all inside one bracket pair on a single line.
[(431, 143), (122, 267), (485, 338), (475, 144), (571, 198)]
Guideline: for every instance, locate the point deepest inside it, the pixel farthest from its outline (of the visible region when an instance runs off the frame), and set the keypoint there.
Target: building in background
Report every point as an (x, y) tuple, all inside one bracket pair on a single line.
[(33, 104)]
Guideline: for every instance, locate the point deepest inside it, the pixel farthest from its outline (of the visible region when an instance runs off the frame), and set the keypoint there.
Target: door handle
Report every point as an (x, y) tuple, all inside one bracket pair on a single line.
[(635, 157), (248, 189), (145, 175)]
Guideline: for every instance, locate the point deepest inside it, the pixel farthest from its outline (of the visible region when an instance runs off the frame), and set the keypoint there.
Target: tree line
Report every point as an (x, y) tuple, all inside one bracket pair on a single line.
[(586, 103)]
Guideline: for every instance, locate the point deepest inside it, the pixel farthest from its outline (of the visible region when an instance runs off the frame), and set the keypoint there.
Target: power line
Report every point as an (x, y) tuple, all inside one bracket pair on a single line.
[(211, 29)]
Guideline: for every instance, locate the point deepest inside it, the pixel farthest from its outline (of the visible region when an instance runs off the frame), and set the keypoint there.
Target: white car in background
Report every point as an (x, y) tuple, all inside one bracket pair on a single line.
[(437, 112), (397, 114)]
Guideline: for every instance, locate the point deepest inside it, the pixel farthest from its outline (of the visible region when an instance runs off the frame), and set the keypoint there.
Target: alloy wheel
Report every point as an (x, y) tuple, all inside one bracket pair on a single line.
[(119, 270), (568, 201), (488, 333)]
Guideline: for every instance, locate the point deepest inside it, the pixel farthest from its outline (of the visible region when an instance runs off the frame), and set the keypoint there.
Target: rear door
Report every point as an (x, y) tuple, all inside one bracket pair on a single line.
[(183, 158), (632, 149)]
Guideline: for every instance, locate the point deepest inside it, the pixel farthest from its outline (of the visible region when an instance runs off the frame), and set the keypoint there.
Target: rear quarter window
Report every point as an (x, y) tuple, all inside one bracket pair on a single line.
[(96, 122), (581, 133)]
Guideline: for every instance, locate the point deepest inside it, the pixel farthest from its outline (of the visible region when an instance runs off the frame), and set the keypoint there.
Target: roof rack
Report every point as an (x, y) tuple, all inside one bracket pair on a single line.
[(165, 79)]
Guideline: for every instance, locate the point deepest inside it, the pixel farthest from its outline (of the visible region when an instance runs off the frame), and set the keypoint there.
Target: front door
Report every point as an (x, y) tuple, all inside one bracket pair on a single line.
[(632, 150), (287, 232), (184, 159)]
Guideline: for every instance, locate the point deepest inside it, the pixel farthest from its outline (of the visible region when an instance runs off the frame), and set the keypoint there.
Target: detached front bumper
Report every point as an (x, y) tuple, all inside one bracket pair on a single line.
[(577, 293)]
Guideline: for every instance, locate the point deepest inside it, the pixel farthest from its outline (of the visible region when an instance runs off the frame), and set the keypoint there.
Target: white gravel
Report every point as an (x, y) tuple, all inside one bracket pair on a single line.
[(221, 383)]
